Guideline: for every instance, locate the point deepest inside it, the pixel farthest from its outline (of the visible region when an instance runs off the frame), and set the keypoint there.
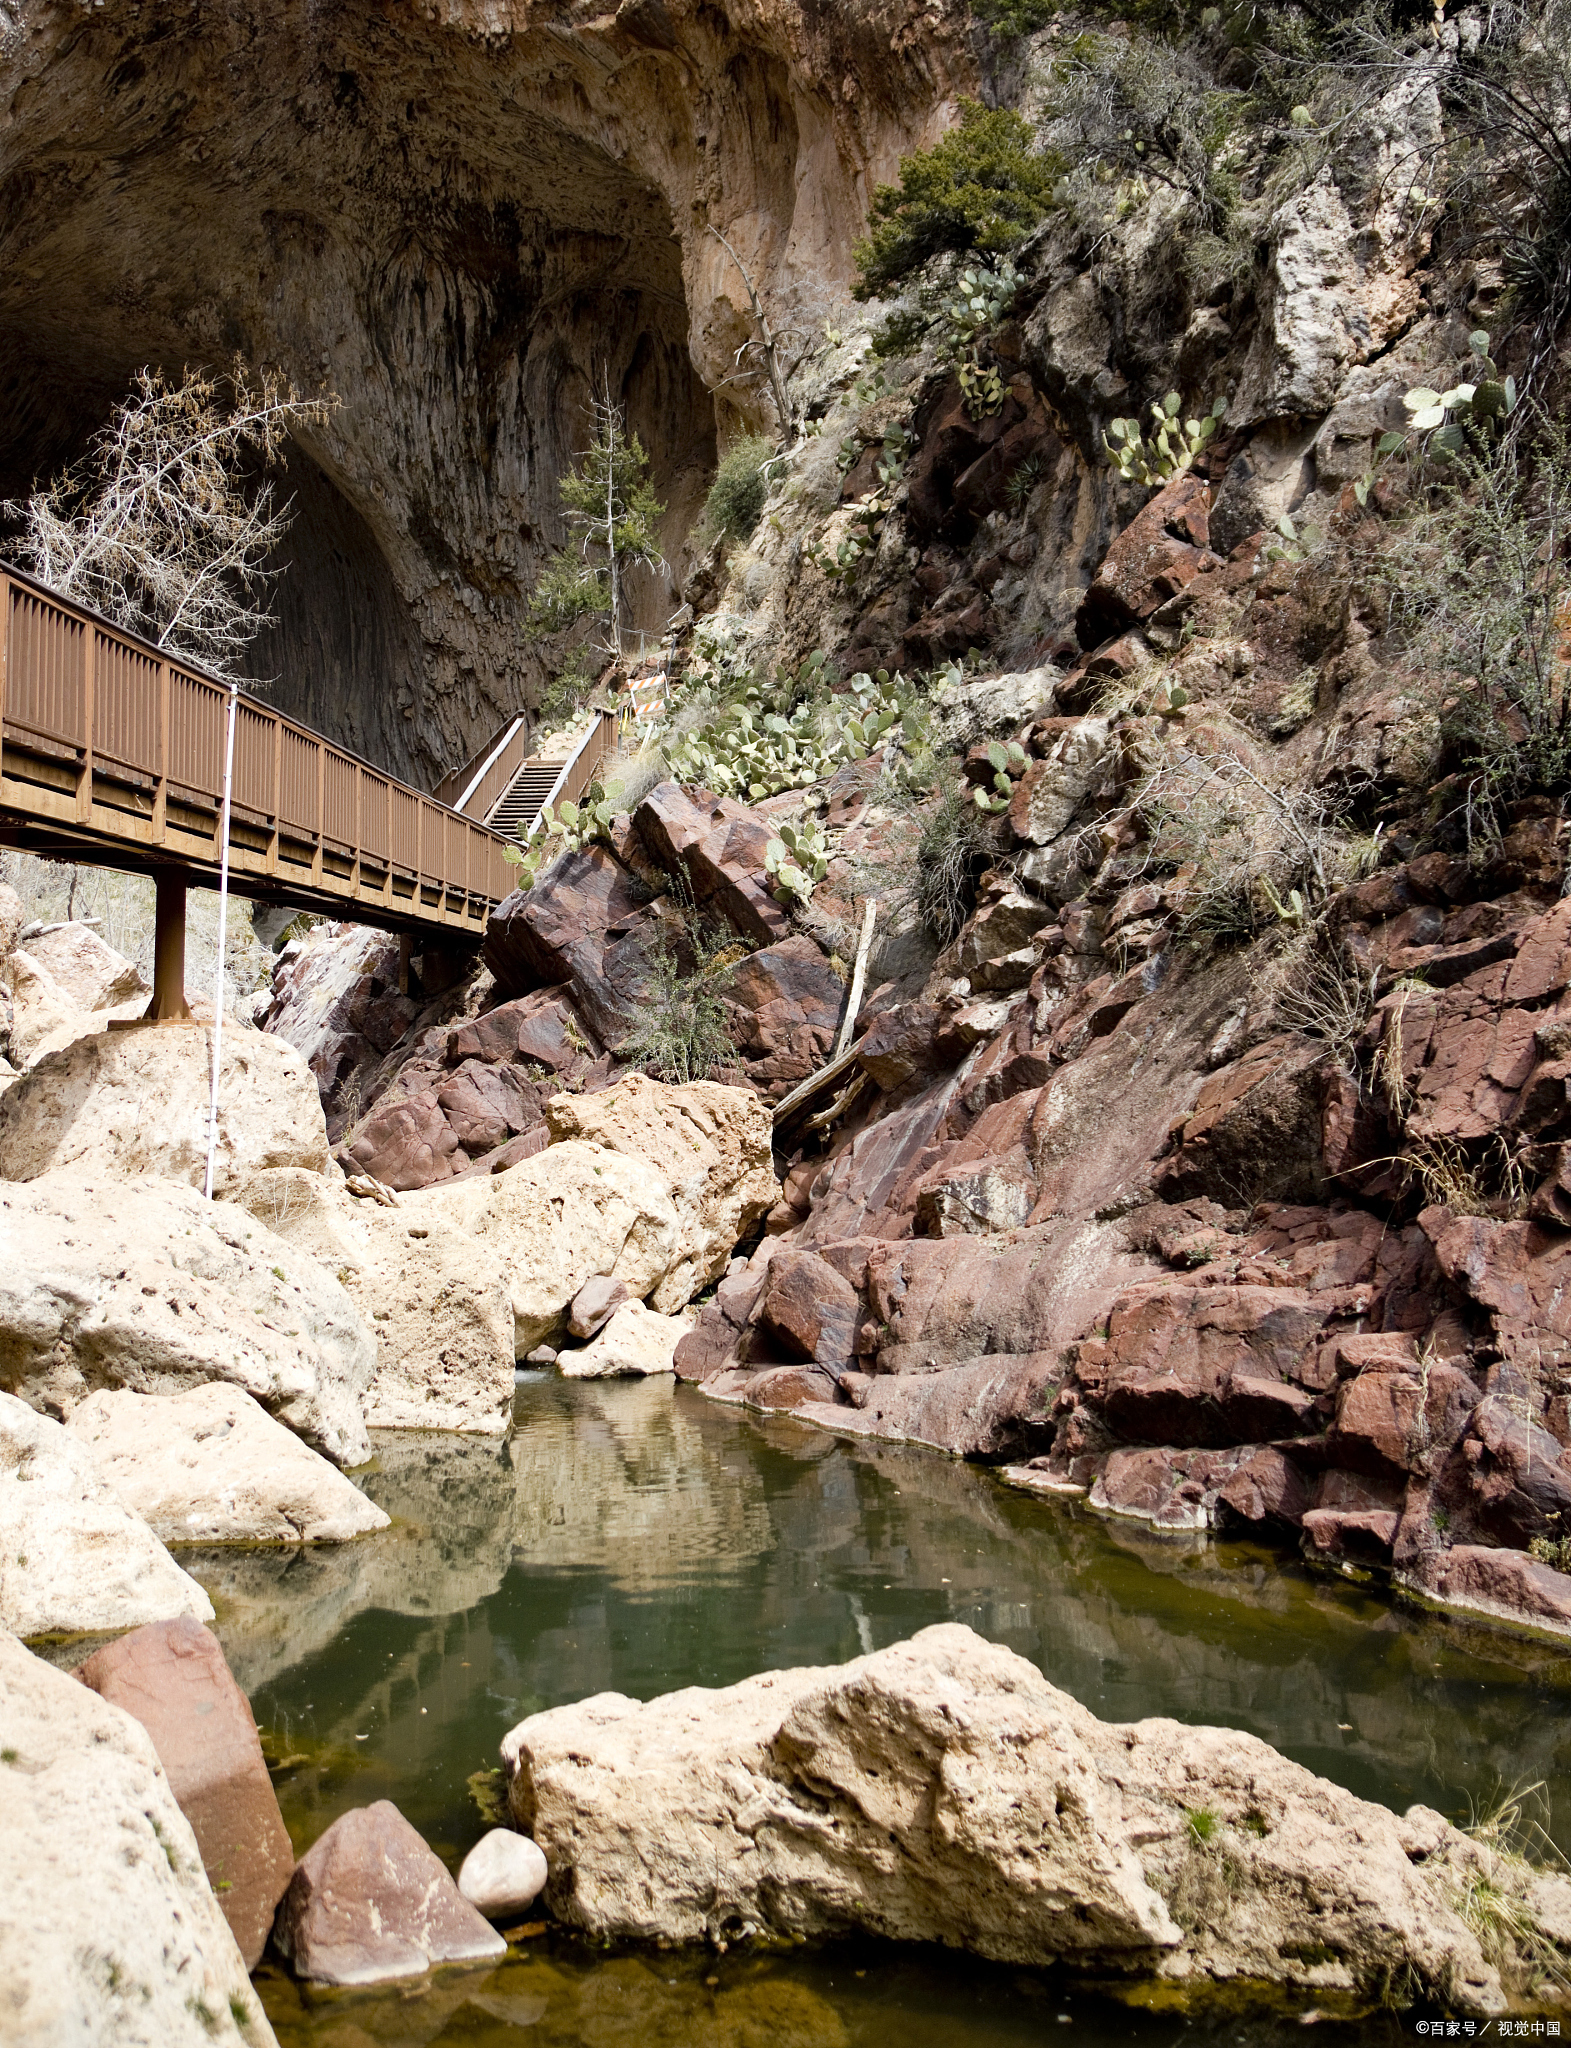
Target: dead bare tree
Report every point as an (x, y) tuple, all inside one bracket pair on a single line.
[(766, 344), (164, 526)]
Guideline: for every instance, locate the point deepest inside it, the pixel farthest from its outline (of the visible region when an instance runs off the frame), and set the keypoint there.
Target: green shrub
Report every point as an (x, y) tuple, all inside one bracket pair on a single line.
[(1139, 110), (981, 186), (736, 497), (683, 1032), (1010, 19), (899, 333), (1486, 596), (952, 852)]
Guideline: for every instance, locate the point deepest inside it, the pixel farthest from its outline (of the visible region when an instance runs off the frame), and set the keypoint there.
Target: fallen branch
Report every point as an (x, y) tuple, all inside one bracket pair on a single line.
[(858, 976)]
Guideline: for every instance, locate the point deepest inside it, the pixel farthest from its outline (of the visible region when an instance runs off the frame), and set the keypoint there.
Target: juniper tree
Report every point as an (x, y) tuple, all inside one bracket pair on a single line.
[(613, 516)]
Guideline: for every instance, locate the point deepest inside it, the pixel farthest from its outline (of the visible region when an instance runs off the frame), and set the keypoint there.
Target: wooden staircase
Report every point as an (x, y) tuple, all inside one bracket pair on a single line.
[(517, 808)]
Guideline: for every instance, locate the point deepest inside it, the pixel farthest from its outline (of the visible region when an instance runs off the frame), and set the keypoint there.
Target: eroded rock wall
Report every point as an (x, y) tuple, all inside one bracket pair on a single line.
[(461, 220)]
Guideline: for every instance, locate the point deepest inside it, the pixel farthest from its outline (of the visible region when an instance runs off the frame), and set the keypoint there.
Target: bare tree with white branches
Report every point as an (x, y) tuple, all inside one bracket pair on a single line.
[(163, 526)]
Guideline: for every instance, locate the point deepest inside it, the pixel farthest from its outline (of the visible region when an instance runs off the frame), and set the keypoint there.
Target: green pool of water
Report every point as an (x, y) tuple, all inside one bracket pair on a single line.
[(635, 1539)]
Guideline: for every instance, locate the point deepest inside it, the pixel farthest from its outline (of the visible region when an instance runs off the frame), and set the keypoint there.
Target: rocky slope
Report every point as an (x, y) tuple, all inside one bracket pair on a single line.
[(1231, 1205)]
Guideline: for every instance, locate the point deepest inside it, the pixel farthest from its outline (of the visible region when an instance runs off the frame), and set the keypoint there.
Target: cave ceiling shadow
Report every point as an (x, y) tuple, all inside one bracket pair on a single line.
[(398, 229)]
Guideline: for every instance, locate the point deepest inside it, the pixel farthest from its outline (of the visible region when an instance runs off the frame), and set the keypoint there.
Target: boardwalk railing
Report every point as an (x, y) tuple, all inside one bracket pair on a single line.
[(479, 788), (112, 753), (476, 788), (582, 765)]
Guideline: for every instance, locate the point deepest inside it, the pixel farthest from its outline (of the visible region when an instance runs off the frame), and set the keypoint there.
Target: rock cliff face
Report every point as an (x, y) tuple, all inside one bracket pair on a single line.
[(461, 219)]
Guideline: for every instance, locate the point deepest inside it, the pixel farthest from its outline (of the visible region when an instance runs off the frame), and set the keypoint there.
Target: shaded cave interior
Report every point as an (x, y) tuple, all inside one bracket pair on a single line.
[(460, 274)]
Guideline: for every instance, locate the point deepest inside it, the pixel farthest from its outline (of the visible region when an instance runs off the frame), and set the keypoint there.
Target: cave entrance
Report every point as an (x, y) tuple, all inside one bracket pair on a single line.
[(408, 220)]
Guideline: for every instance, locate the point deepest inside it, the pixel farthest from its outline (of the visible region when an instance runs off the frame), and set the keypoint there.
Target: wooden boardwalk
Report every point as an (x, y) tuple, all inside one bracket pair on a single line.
[(113, 754)]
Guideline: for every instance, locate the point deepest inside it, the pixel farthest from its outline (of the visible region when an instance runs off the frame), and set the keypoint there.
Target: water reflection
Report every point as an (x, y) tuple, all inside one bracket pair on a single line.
[(847, 1997), (636, 1539)]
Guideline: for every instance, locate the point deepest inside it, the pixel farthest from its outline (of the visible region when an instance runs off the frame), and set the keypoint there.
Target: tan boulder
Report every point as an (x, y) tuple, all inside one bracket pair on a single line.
[(438, 1306), (549, 1224), (635, 1342), (142, 1284), (211, 1466), (110, 1932), (87, 970), (74, 1559), (173, 1679), (942, 1790), (46, 1018), (135, 1101), (711, 1146)]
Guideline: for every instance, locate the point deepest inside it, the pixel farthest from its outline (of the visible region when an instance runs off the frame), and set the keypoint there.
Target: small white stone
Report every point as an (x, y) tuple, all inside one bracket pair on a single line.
[(503, 1873)]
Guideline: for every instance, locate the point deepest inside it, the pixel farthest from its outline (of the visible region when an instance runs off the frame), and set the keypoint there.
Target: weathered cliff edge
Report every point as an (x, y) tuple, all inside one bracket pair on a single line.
[(942, 1790)]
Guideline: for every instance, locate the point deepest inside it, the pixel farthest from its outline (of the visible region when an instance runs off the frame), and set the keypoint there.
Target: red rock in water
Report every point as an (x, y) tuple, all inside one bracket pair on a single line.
[(1350, 1536), (1266, 1487), (369, 1901), (594, 1305), (1500, 1582), (806, 1311), (172, 1677)]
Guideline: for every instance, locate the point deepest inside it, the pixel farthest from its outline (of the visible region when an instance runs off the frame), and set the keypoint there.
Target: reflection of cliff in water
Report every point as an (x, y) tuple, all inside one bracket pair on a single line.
[(451, 1499), (622, 1479), (633, 1539)]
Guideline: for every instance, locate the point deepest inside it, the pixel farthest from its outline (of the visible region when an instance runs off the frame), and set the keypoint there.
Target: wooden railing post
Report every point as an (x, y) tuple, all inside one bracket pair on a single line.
[(161, 787), (5, 641), (278, 793), (84, 789), (318, 857)]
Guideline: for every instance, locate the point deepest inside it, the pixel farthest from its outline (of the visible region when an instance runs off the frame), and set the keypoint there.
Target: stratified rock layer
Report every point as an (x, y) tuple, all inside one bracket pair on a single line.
[(942, 1790)]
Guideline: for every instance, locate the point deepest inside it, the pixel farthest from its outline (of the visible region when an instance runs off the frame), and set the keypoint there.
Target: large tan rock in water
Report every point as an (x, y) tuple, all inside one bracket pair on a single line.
[(110, 1932), (74, 1558), (134, 1100), (550, 1224), (173, 1679), (635, 1342), (943, 1791), (438, 1306), (211, 1466), (142, 1284), (710, 1145)]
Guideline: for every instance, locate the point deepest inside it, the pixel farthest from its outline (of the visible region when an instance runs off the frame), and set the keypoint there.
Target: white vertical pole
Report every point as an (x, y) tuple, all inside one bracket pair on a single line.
[(223, 927)]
